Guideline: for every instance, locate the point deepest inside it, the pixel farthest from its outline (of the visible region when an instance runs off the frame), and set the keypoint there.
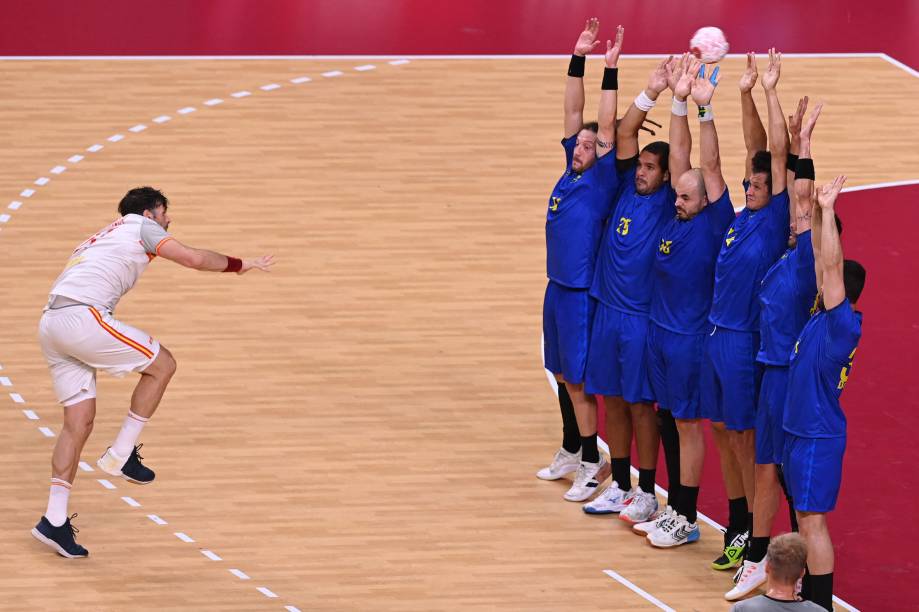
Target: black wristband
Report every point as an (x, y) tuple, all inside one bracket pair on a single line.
[(610, 79), (804, 169), (792, 161), (576, 66)]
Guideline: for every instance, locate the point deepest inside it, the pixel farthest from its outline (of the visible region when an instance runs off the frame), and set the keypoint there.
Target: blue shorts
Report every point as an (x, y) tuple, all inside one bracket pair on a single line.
[(770, 437), (813, 471), (616, 359), (566, 318), (730, 378), (674, 361)]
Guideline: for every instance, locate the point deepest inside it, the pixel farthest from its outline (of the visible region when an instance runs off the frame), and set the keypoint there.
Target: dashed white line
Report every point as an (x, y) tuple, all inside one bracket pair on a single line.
[(365, 67), (266, 592), (270, 87), (183, 537), (116, 137), (5, 381), (105, 483), (156, 519), (17, 398), (95, 148), (131, 502), (161, 119), (186, 110), (291, 609), (241, 94), (75, 159), (332, 73), (27, 193), (58, 169), (398, 62), (213, 102), (140, 127), (211, 555), (4, 218), (239, 574), (303, 79), (85, 467), (30, 415), (46, 431), (44, 180)]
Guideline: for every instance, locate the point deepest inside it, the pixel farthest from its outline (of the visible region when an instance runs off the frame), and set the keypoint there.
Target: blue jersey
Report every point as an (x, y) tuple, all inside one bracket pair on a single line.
[(787, 299), (684, 269), (624, 277), (754, 241), (578, 208), (820, 365)]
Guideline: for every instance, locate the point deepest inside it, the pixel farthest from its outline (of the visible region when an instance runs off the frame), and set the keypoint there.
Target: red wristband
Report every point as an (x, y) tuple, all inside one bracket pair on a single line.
[(233, 264)]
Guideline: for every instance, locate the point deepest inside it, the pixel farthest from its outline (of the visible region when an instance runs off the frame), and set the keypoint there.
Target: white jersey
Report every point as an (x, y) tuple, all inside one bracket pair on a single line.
[(107, 264)]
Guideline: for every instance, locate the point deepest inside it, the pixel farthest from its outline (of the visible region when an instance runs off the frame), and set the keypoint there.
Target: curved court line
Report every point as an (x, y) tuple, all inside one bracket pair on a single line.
[(59, 169)]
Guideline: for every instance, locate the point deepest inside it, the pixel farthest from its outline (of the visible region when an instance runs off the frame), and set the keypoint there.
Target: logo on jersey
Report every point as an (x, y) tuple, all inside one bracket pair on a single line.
[(665, 246), (555, 202), (796, 346), (816, 305), (730, 237), (623, 228), (844, 372)]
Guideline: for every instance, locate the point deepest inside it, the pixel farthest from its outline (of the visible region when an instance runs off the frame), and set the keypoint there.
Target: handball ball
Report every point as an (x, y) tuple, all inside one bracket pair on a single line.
[(709, 44)]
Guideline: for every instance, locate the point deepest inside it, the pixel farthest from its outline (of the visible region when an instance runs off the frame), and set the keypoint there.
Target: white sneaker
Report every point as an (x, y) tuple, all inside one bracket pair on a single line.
[(611, 501), (640, 509), (674, 532), (563, 463), (654, 523), (110, 463), (752, 577), (585, 481)]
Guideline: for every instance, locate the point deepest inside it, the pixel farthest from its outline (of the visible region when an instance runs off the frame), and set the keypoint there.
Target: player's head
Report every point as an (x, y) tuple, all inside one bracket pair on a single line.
[(690, 194), (760, 188), (786, 558), (652, 171), (585, 151), (148, 202), (853, 277)]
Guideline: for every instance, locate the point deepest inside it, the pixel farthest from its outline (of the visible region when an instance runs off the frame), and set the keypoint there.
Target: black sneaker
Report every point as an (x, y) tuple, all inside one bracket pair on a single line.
[(135, 471), (735, 547), (60, 538)]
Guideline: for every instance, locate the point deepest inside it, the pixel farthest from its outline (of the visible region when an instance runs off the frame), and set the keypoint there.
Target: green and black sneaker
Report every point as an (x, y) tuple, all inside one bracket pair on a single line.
[(735, 547)]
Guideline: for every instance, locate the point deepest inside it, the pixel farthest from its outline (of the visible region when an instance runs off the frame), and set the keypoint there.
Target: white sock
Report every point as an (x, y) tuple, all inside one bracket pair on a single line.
[(57, 502), (127, 436)]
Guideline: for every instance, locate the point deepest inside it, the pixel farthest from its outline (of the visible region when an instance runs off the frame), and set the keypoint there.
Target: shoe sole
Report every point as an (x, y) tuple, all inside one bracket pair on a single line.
[(672, 545), (728, 596), (580, 499), (55, 546), (121, 474), (625, 518), (721, 567), (600, 512)]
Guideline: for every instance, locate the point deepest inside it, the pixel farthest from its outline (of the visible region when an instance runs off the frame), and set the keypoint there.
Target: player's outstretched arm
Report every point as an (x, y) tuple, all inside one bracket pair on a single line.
[(804, 174), (209, 261), (834, 290), (574, 87), (606, 117), (794, 148), (702, 91), (778, 130), (754, 134), (679, 79), (627, 130)]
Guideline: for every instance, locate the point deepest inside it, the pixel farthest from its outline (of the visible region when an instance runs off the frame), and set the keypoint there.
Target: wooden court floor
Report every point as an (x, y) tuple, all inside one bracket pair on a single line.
[(360, 428)]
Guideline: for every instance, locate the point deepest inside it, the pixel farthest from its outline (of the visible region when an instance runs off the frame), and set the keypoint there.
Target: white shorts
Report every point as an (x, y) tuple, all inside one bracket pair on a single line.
[(78, 340)]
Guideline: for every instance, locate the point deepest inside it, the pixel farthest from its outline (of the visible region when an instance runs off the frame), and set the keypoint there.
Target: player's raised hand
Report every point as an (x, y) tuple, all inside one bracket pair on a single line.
[(826, 195), (748, 79), (587, 41), (807, 128), (771, 76), (675, 69), (684, 84), (262, 263), (703, 88), (794, 121), (658, 79), (613, 49)]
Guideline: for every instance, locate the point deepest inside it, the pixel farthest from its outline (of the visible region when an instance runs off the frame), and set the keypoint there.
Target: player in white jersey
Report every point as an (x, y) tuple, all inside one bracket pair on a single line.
[(79, 335)]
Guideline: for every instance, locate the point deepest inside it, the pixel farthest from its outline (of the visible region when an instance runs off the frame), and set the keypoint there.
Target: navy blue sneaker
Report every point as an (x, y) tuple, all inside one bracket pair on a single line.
[(60, 538), (131, 469)]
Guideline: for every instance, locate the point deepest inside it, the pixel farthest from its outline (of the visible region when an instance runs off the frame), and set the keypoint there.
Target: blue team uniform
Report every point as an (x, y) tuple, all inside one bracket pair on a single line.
[(814, 422), (622, 285), (578, 207), (684, 275), (787, 299), (730, 375)]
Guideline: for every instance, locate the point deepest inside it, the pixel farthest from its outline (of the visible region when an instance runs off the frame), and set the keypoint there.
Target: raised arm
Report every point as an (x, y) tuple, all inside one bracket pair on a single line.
[(778, 130), (754, 135), (794, 133), (702, 91), (574, 88), (679, 79), (209, 261), (804, 175), (627, 130), (606, 117), (816, 230), (834, 289)]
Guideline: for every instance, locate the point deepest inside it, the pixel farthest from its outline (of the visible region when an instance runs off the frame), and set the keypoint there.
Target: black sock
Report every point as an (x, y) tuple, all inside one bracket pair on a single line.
[(646, 480), (806, 585), (757, 550), (737, 514), (689, 499), (621, 472), (670, 438), (821, 591), (589, 452), (571, 438), (749, 529), (792, 515)]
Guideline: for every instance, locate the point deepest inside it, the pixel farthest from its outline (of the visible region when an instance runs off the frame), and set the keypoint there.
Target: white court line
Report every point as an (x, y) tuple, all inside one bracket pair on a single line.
[(27, 193), (899, 64), (4, 218), (213, 102), (30, 415), (241, 94), (657, 602), (303, 79), (46, 431), (365, 67), (332, 73), (58, 169), (161, 119), (116, 137), (105, 483), (291, 609), (239, 574), (42, 181), (5, 381), (211, 555), (183, 537), (95, 148), (17, 398), (185, 110), (140, 127), (131, 502), (270, 87), (14, 205), (73, 159), (880, 185), (85, 467), (398, 62), (266, 592), (156, 519)]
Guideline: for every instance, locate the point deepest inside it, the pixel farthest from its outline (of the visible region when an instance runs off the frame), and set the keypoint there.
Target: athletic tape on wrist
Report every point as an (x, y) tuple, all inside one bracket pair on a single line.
[(679, 108), (706, 113), (644, 103)]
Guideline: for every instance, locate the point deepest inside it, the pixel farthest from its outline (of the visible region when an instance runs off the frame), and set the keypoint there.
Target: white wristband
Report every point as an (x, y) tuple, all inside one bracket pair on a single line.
[(644, 103), (679, 108), (706, 113)]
